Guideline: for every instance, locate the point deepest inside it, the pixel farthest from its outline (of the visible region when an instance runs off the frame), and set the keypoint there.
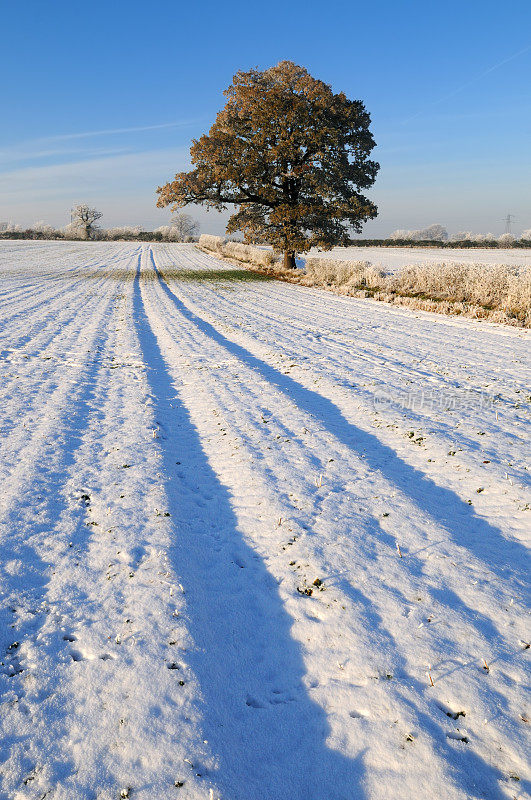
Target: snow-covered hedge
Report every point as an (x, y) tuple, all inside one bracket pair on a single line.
[(436, 233), (501, 287), (123, 231), (214, 243), (246, 252), (501, 292), (469, 236), (237, 250), (328, 271), (170, 233), (506, 240)]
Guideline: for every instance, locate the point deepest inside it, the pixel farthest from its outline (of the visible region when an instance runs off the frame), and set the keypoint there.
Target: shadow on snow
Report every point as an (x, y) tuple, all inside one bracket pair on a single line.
[(268, 736), (482, 539), (44, 507)]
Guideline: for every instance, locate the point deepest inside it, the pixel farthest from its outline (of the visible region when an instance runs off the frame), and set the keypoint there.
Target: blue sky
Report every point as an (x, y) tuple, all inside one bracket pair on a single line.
[(99, 102)]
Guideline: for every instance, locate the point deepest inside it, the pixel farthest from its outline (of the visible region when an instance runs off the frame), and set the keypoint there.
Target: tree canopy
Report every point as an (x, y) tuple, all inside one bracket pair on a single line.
[(291, 155)]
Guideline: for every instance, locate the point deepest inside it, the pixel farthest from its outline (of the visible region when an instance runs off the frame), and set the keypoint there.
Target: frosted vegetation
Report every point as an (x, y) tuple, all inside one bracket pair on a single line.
[(83, 226), (241, 252), (497, 292), (438, 233)]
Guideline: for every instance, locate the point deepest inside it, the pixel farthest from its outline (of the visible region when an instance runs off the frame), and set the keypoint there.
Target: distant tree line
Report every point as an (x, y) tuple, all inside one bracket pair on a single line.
[(84, 226), (183, 228), (438, 236)]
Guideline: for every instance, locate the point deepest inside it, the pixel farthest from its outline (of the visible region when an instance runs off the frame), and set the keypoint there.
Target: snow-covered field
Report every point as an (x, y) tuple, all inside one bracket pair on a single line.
[(244, 525), (392, 258)]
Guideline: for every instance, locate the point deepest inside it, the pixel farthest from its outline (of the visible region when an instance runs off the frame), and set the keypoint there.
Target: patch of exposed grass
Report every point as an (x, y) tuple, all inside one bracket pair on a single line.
[(231, 275), (173, 274)]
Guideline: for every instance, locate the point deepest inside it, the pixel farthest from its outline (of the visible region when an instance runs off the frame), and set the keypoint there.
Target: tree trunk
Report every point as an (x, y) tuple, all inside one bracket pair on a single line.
[(289, 260)]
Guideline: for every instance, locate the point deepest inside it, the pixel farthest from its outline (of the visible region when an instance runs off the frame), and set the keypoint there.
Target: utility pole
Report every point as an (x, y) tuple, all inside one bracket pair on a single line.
[(508, 221)]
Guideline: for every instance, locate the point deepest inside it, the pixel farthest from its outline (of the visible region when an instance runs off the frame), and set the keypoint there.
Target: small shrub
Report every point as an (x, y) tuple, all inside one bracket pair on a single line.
[(359, 274), (209, 242), (238, 250)]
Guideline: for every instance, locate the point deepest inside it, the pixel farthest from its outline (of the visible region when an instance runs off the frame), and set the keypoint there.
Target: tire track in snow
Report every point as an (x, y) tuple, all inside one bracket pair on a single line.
[(385, 377), (54, 290), (32, 544), (108, 656), (207, 357), (259, 717), (262, 680), (438, 501), (37, 370)]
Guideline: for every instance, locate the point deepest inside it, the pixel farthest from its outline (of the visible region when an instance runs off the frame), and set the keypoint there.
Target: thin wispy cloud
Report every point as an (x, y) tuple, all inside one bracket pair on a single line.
[(101, 176), (122, 186), (58, 146), (468, 83), (10, 158), (114, 131)]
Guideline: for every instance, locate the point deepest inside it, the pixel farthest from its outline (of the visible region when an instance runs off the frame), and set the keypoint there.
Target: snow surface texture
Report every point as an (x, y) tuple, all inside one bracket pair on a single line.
[(187, 452), (392, 258)]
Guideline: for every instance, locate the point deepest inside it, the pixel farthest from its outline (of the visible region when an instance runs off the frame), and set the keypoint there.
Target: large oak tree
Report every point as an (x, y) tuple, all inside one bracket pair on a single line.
[(291, 154)]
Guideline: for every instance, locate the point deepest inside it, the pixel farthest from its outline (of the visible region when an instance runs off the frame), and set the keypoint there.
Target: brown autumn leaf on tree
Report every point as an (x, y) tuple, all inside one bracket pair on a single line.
[(291, 154)]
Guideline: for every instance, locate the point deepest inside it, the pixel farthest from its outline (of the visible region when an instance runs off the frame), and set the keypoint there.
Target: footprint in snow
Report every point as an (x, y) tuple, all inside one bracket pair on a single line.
[(86, 655), (279, 698)]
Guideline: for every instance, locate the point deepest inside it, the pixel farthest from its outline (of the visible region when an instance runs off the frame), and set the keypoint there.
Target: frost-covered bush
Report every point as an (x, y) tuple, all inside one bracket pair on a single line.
[(43, 229), (168, 233), (483, 237), (506, 240), (73, 231), (208, 242), (499, 292), (246, 252), (238, 250), (123, 230), (39, 230), (328, 271), (463, 236), (469, 236), (503, 287), (526, 235), (433, 233), (401, 235), (174, 233)]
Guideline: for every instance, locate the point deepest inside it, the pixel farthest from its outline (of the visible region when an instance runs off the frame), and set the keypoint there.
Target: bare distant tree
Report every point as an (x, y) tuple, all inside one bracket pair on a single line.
[(84, 220), (183, 227)]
